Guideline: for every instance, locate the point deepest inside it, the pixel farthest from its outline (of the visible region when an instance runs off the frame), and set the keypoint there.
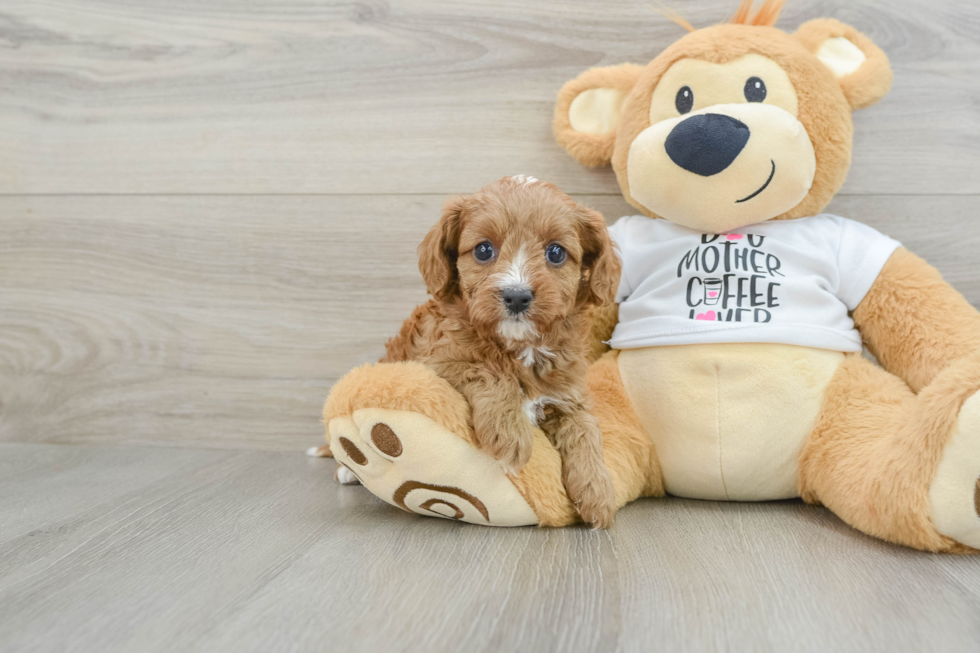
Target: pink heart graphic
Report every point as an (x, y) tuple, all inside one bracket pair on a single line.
[(712, 293), (735, 236), (710, 315)]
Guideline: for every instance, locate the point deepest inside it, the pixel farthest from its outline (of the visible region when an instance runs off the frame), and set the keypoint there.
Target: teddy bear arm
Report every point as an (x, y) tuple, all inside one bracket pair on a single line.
[(914, 322)]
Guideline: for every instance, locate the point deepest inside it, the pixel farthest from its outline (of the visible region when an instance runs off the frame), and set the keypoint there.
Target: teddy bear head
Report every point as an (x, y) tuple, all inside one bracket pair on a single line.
[(731, 125)]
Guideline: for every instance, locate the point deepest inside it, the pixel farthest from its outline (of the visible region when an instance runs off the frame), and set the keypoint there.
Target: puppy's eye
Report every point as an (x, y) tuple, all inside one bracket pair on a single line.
[(755, 90), (684, 100), (555, 254), (483, 252)]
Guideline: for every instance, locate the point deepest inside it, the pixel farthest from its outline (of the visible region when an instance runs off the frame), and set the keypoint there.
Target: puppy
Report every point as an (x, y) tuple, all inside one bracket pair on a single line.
[(513, 272)]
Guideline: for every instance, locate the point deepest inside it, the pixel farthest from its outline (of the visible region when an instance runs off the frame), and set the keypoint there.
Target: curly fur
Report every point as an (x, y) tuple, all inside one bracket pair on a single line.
[(526, 370)]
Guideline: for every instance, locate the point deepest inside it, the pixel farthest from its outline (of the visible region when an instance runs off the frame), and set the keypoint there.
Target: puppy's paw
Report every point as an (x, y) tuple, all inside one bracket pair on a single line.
[(320, 452), (513, 451), (345, 476), (593, 496)]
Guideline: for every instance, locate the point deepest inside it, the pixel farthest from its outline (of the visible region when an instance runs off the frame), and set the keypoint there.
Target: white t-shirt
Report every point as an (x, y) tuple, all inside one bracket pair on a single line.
[(786, 281)]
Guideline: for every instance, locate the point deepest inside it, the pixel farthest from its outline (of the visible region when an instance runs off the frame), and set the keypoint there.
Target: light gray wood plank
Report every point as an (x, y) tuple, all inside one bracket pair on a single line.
[(261, 551), (223, 321), (140, 581), (405, 97), (28, 471), (179, 320)]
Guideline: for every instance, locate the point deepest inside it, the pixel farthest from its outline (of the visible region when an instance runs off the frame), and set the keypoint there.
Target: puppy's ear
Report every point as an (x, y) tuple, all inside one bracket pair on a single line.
[(600, 262), (587, 112), (440, 250)]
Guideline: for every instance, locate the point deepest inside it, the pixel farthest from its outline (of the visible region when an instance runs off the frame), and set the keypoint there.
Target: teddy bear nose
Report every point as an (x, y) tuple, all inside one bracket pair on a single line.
[(517, 300), (707, 143)]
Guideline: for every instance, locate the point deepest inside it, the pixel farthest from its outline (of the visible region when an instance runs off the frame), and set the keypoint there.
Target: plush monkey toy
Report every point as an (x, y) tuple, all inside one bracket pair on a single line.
[(736, 370)]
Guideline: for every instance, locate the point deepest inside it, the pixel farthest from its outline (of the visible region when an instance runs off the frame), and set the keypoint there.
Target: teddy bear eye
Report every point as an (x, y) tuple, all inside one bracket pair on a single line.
[(483, 252), (755, 90), (555, 254), (684, 100)]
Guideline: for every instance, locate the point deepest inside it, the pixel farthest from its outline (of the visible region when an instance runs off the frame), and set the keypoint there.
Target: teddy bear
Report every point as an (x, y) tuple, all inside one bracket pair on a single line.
[(735, 370)]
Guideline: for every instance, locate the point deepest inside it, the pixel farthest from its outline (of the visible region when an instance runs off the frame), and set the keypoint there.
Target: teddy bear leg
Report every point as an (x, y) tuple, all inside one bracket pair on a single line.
[(404, 433), (954, 492), (878, 451)]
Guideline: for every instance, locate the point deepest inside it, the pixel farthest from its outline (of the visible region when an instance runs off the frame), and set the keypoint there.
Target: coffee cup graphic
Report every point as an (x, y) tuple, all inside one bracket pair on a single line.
[(712, 291)]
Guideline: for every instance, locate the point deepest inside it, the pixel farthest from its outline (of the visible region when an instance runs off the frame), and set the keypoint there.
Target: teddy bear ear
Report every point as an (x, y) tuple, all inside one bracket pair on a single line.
[(587, 113), (861, 68)]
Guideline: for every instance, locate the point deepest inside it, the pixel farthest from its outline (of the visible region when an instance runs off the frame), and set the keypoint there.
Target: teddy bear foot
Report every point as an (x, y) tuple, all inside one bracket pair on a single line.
[(413, 463), (954, 495)]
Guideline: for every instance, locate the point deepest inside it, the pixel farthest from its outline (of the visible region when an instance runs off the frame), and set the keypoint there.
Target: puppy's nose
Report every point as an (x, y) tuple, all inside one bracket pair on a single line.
[(707, 143), (517, 300)]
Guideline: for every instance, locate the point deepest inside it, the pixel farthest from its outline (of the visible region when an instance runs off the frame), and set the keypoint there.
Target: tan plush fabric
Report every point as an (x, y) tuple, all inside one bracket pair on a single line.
[(825, 103), (432, 471), (914, 322), (872, 80), (718, 416), (710, 204), (406, 386), (823, 109), (876, 447), (872, 456), (951, 510), (588, 148), (893, 450)]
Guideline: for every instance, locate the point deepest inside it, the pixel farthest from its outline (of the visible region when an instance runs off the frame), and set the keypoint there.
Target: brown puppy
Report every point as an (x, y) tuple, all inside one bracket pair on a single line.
[(513, 271)]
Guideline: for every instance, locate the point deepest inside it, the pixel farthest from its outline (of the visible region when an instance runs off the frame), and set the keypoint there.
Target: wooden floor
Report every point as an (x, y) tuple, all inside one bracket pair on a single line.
[(209, 212), (166, 549)]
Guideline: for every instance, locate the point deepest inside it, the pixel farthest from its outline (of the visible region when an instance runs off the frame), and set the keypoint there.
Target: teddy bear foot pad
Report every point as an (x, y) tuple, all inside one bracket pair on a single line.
[(413, 463), (955, 492)]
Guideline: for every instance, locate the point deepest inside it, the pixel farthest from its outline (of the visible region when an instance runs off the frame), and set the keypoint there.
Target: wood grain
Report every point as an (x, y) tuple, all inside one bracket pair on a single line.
[(262, 551), (190, 96), (209, 212), (223, 321)]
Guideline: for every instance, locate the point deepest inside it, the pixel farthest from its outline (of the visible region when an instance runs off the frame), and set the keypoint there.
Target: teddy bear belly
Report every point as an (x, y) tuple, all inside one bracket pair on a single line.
[(728, 420)]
